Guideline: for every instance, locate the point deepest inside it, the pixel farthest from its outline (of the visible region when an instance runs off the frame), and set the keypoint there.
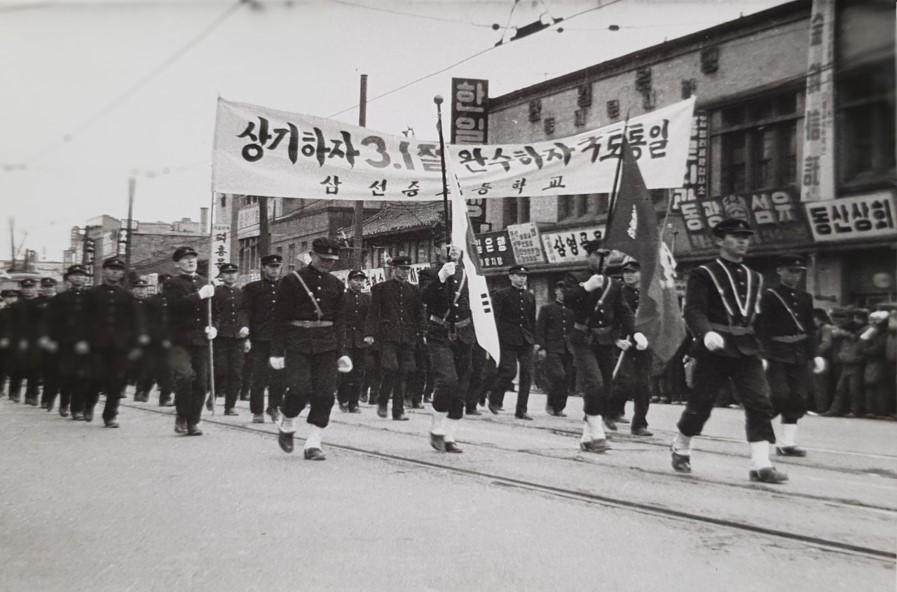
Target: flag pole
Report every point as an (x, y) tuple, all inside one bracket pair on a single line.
[(210, 403), (613, 196), (445, 204)]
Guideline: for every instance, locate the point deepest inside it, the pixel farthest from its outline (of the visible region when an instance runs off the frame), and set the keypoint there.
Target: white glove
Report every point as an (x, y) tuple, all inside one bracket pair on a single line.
[(143, 339), (344, 364), (244, 332), (818, 365), (641, 342), (713, 341), (211, 333), (623, 344), (207, 291), (447, 270), (764, 363), (878, 316), (82, 348), (247, 345), (869, 333), (276, 362), (593, 283), (4, 342), (44, 343), (369, 340)]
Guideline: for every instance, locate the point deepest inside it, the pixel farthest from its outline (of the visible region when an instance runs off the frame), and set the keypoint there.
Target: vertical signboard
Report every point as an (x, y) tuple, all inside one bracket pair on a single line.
[(220, 245), (818, 168), (470, 125)]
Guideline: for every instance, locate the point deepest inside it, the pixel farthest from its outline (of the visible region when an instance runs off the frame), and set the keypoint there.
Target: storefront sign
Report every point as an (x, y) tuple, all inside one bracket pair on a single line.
[(850, 218), (470, 124), (694, 186), (220, 253), (525, 242), (494, 249), (566, 246), (775, 216), (818, 171)]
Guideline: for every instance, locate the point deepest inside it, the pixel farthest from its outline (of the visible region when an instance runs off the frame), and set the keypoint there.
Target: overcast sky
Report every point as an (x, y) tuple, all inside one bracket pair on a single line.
[(93, 90)]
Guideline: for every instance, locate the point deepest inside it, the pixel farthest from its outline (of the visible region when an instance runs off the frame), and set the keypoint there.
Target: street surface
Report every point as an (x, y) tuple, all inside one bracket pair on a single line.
[(140, 508)]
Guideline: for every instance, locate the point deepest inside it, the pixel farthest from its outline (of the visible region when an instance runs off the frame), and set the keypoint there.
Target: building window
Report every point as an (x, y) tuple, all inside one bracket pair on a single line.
[(865, 119)]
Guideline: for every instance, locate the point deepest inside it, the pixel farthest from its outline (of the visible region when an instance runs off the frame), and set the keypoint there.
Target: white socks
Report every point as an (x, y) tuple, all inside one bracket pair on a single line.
[(760, 455), (451, 428), (682, 444), (314, 437), (287, 425), (789, 434), (592, 429), (437, 423)]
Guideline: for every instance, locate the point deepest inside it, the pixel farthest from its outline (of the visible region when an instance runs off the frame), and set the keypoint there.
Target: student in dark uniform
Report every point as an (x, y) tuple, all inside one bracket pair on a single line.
[(187, 293), (259, 303), (515, 319), (354, 316), (722, 301), (158, 366), (602, 319), (553, 327), (394, 323), (68, 326), (450, 337), (113, 337), (788, 337), (6, 349), (49, 363), (308, 342), (229, 318), (143, 317), (27, 319)]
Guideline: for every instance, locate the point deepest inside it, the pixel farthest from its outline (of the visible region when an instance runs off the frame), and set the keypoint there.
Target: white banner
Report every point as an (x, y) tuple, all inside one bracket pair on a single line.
[(261, 151), (818, 170)]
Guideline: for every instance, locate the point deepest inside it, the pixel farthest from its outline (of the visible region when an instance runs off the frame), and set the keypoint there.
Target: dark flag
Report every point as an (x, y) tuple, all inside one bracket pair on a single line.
[(633, 230)]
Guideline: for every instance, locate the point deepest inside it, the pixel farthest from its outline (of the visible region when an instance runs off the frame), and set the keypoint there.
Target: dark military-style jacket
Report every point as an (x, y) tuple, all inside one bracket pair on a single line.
[(723, 296), (113, 322), (294, 304), (354, 315), (450, 306), (396, 314), (785, 325), (67, 319), (228, 313), (515, 316), (160, 320), (553, 328), (259, 301), (603, 311), (189, 313), (27, 325)]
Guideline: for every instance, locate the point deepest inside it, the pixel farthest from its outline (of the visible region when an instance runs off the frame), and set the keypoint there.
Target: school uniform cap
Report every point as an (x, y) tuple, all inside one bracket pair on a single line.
[(227, 268), (400, 261), (792, 261), (594, 246), (76, 270), (28, 282), (325, 248), (8, 293), (47, 282), (630, 264), (518, 270), (272, 260), (113, 263), (182, 252), (735, 226), (141, 283), (356, 274)]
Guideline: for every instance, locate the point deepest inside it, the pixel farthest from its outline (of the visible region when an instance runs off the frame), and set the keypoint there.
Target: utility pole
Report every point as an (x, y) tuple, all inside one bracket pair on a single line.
[(357, 237), (12, 243), (132, 186)]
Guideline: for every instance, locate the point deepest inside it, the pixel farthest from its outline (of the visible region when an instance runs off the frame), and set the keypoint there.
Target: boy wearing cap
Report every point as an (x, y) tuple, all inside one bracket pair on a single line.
[(27, 318), (553, 327), (395, 324), (721, 304), (187, 293), (140, 367), (229, 318), (6, 351), (788, 338), (354, 315), (259, 302), (515, 319), (49, 359), (69, 327), (158, 368)]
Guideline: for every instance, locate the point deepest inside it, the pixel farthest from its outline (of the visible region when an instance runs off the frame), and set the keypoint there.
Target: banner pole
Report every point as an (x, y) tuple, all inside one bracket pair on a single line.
[(210, 403), (445, 204), (615, 189)]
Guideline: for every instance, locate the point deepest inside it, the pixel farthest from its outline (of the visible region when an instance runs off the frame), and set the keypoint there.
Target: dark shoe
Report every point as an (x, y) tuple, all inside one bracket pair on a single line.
[(273, 413), (494, 409), (231, 412), (832, 414), (382, 411), (285, 439), (559, 414), (194, 430), (402, 417), (641, 432), (599, 446), (77, 416), (474, 411), (258, 418), (363, 398), (354, 409), (790, 451), (110, 423), (63, 411), (621, 419), (453, 448), (416, 405), (314, 454), (88, 415), (768, 475), (180, 425), (437, 441), (209, 403), (523, 416), (344, 407), (32, 401), (609, 424), (681, 462), (164, 402)]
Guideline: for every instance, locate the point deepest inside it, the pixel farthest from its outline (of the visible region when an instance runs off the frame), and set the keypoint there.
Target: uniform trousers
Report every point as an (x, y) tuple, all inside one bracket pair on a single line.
[(228, 369), (108, 367), (264, 376), (557, 368), (511, 356), (633, 381), (311, 380), (50, 371), (156, 369), (27, 370), (416, 383), (190, 372), (396, 365), (246, 379), (595, 368), (450, 362), (788, 389), (351, 383), (746, 373), (74, 377)]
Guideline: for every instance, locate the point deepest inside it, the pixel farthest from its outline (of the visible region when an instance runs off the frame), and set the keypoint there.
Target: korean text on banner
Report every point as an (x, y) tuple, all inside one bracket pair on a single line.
[(261, 151)]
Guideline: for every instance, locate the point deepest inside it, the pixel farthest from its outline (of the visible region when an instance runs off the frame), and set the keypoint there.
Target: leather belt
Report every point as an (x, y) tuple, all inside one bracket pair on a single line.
[(598, 330), (458, 324), (789, 338), (311, 324), (732, 329)]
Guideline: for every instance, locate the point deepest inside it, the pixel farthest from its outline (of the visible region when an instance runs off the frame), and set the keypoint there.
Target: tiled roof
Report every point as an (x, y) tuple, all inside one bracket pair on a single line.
[(400, 218)]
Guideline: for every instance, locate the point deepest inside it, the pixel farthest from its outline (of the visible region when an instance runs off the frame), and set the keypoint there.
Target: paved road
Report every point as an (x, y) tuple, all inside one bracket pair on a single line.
[(139, 508)]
